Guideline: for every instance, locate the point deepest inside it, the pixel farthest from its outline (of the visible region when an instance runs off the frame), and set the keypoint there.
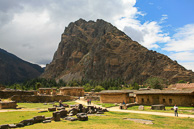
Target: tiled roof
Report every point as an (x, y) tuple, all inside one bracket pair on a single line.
[(183, 86), (116, 91), (71, 88), (165, 92)]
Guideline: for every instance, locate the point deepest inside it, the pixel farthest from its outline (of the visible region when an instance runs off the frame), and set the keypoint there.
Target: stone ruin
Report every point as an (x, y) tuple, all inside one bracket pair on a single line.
[(78, 110), (8, 105)]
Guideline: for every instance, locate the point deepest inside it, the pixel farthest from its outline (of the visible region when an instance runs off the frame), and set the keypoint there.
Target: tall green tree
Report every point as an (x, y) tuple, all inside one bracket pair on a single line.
[(155, 83)]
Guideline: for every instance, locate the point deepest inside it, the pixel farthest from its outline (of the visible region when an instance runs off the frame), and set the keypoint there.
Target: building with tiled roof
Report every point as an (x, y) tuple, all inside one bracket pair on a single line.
[(166, 97), (117, 96)]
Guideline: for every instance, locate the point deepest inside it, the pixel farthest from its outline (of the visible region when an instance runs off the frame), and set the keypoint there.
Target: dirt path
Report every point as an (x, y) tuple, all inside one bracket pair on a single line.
[(140, 112)]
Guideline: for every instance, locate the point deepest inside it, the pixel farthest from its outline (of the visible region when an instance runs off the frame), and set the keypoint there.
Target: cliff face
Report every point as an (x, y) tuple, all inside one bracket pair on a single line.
[(14, 69), (99, 51)]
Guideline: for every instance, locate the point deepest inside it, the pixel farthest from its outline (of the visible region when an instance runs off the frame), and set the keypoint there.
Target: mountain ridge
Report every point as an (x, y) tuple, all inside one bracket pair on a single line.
[(15, 70)]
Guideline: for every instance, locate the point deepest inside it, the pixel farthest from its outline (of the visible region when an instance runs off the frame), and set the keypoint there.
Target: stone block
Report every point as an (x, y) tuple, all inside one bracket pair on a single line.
[(71, 118), (6, 126), (20, 125), (82, 116), (46, 121), (100, 112), (12, 126), (52, 109), (63, 113), (73, 111), (38, 119), (27, 122), (141, 107), (56, 116), (48, 118), (158, 107)]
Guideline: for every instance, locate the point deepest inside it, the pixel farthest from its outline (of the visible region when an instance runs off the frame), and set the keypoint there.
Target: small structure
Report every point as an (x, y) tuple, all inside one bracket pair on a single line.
[(116, 96), (158, 107), (166, 97), (47, 91), (8, 105), (72, 91)]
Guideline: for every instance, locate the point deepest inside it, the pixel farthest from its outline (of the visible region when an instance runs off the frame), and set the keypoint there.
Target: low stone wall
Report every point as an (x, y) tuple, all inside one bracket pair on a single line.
[(40, 99), (8, 105), (9, 94)]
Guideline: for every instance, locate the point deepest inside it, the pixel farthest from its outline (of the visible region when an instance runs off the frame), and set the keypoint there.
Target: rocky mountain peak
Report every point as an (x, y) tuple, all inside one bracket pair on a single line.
[(99, 51)]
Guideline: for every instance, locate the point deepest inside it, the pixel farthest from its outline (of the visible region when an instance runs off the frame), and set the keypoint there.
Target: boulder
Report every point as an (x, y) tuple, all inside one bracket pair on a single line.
[(82, 116)]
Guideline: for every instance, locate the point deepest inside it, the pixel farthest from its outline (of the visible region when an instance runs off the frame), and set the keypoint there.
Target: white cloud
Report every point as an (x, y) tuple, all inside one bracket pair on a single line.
[(188, 65), (181, 46), (148, 34), (31, 29), (183, 39), (183, 56)]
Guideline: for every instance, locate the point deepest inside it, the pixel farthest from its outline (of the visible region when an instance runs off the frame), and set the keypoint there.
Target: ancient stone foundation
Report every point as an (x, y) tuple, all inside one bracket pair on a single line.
[(40, 99), (8, 105)]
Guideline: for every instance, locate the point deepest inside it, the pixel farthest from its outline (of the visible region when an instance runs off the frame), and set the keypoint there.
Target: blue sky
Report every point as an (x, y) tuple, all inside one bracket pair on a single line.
[(31, 29)]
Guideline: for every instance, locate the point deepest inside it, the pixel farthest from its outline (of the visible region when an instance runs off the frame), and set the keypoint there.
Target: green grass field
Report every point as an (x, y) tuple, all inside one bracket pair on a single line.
[(41, 105), (111, 120), (181, 110)]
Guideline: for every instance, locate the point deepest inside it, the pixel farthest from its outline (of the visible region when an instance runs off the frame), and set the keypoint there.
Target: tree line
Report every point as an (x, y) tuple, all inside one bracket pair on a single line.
[(89, 85)]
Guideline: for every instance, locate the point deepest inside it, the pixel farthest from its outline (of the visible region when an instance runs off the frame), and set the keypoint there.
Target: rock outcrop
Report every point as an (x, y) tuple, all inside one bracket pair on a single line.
[(99, 51), (14, 69)]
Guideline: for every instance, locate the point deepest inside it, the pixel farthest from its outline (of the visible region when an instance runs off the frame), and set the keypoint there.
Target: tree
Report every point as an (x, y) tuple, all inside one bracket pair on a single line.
[(182, 81), (98, 88), (38, 85), (87, 87), (155, 83)]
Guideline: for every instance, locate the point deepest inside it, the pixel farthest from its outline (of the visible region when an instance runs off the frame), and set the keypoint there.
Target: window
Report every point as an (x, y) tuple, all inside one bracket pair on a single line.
[(142, 100), (170, 101), (164, 100)]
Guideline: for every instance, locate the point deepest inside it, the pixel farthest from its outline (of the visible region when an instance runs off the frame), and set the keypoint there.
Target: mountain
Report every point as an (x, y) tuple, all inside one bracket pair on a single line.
[(99, 51), (14, 69)]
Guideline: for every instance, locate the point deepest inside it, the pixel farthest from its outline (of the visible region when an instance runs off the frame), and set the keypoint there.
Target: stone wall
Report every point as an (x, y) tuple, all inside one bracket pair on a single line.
[(9, 94), (72, 92), (114, 98), (167, 100), (8, 105), (40, 99)]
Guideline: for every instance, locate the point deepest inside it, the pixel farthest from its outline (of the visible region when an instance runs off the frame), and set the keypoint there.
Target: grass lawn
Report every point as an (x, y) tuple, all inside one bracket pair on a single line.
[(181, 110), (112, 120), (41, 105), (107, 105)]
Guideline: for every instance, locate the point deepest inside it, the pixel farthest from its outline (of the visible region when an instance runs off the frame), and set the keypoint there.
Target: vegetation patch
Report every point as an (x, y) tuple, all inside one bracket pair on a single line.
[(181, 110)]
